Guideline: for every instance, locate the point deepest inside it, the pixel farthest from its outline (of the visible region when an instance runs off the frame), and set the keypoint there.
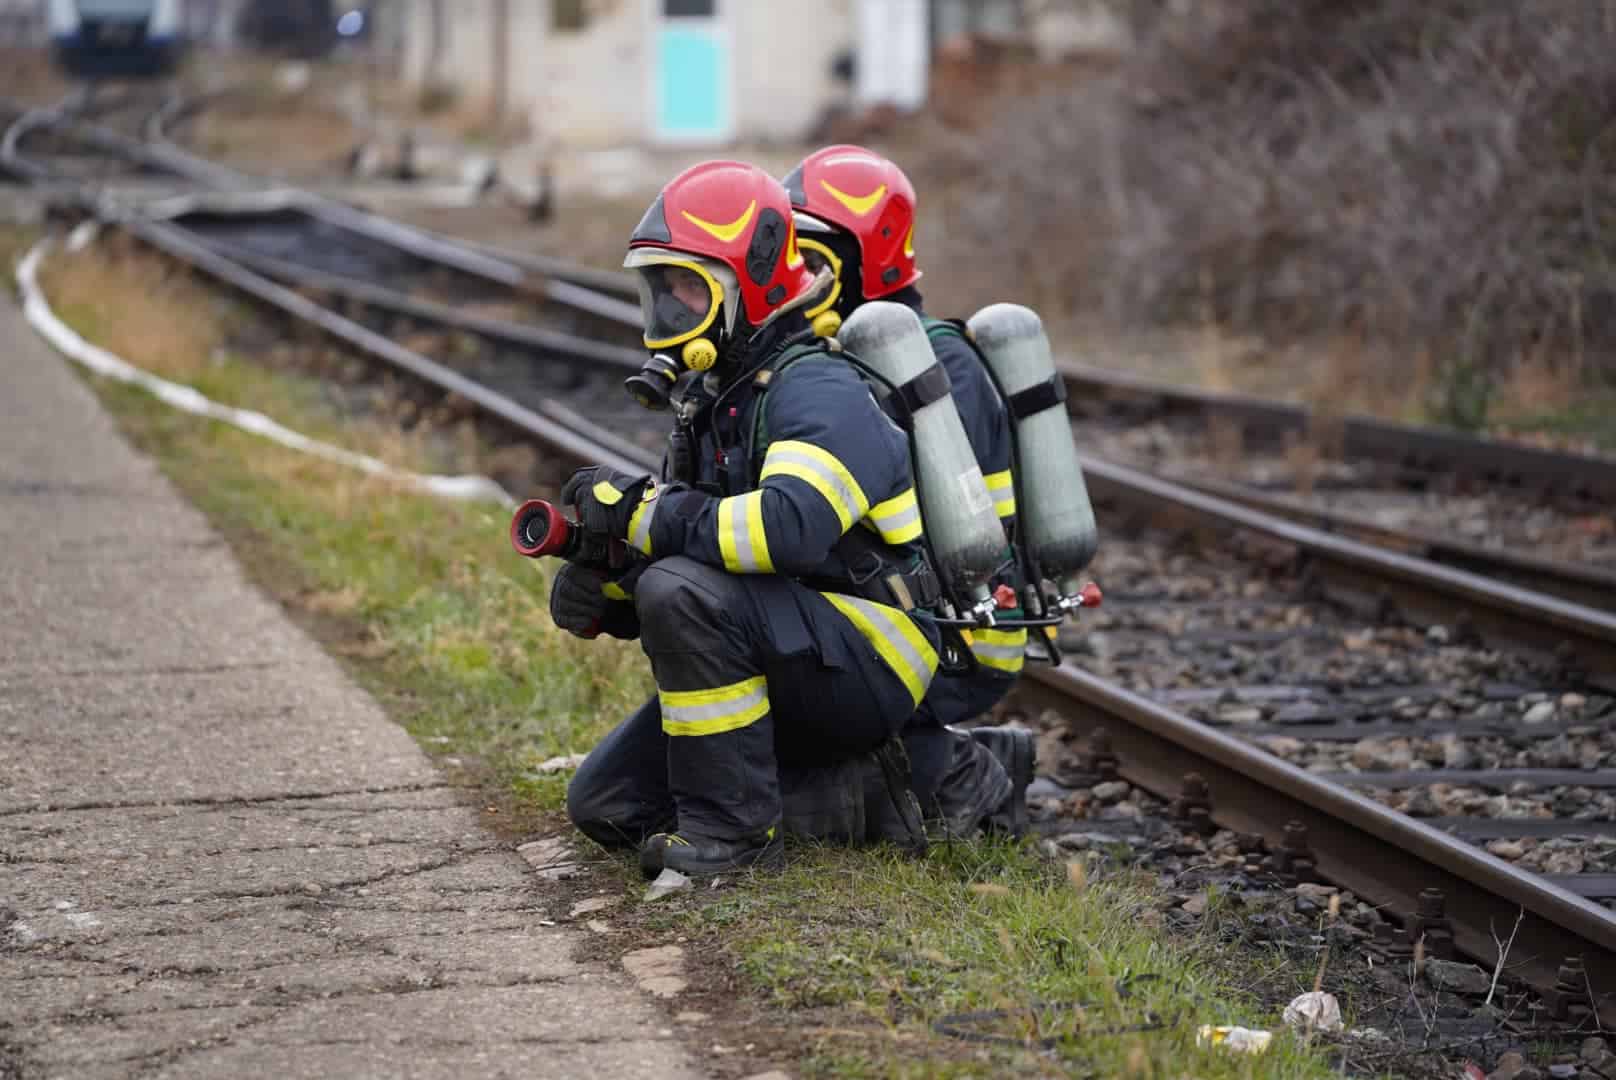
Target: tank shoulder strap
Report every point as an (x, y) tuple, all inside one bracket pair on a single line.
[(936, 328), (768, 377)]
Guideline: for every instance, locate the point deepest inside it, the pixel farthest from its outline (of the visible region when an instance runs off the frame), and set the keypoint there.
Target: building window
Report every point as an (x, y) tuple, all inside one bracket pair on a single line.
[(569, 14), (674, 9)]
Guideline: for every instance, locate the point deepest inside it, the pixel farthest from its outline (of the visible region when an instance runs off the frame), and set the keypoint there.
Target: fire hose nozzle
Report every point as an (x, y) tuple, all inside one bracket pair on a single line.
[(539, 529)]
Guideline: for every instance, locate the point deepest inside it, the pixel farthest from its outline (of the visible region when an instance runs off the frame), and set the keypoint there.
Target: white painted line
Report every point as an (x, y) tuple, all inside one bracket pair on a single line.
[(98, 360)]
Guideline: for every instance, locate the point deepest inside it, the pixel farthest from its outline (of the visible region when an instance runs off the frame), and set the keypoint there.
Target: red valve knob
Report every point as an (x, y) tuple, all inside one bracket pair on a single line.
[(1090, 595), (1004, 597)]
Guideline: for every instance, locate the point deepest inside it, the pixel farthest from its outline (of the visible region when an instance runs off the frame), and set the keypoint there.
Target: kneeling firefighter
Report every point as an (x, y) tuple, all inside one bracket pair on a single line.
[(855, 213), (781, 587)]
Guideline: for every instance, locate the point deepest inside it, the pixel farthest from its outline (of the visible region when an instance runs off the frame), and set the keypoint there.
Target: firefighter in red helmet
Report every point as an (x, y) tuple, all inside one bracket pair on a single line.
[(783, 476), (855, 214)]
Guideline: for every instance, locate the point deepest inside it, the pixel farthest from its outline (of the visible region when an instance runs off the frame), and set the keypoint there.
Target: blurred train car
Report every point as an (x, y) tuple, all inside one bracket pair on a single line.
[(122, 38)]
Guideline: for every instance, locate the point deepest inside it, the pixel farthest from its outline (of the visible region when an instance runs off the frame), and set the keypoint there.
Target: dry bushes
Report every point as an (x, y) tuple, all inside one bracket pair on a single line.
[(1431, 177)]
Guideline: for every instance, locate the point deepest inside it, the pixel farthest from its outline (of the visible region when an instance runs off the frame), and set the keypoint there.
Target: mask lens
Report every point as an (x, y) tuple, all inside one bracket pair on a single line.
[(676, 302), (815, 260)]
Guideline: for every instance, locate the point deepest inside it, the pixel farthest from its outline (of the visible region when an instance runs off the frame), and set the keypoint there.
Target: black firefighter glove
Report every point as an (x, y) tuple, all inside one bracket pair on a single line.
[(581, 603), (605, 499)]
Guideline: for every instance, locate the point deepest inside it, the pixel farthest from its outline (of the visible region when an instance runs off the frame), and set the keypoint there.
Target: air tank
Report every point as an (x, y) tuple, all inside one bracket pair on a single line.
[(956, 508), (1053, 512)]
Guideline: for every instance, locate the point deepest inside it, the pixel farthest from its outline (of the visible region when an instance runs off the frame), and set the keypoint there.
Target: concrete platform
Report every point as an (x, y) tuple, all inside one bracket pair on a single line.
[(218, 857)]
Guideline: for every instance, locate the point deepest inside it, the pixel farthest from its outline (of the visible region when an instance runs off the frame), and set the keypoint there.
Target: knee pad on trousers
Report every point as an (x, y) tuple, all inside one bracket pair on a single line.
[(677, 596), (603, 810)]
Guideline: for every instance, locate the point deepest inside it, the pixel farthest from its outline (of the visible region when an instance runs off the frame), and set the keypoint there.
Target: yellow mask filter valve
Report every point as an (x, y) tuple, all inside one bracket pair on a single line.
[(826, 323), (699, 355)]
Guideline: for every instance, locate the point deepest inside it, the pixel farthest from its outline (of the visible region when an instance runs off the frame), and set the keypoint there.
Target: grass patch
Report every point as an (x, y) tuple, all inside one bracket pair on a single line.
[(849, 958), (990, 940)]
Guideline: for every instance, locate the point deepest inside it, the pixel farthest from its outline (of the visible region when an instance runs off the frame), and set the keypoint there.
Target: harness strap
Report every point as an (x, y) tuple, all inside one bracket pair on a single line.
[(1038, 397), (929, 386)]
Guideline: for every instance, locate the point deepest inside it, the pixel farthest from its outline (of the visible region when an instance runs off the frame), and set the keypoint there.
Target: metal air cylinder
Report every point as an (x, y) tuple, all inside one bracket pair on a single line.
[(956, 508), (1053, 512)]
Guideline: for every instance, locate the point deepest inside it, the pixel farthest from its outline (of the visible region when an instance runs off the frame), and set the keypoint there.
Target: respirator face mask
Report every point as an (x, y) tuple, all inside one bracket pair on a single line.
[(682, 305), (826, 254)]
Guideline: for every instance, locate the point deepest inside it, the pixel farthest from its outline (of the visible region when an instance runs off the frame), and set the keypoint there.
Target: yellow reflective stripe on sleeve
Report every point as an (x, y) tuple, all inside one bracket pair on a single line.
[(613, 591), (1002, 486), (820, 470), (741, 543), (897, 519), (711, 712), (897, 640), (639, 523), (1002, 650)]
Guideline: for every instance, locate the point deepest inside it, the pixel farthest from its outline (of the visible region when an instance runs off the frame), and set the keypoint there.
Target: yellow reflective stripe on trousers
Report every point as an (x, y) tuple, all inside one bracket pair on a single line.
[(819, 469), (897, 519), (1001, 650), (639, 523), (896, 638), (711, 712), (1002, 486), (741, 543)]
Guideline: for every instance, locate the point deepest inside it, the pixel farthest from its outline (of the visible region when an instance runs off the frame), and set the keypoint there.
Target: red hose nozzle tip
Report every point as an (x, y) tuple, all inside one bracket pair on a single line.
[(537, 529), (1090, 595)]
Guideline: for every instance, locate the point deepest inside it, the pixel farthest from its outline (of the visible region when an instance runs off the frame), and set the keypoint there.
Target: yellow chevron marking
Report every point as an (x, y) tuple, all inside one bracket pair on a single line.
[(723, 233), (858, 204)]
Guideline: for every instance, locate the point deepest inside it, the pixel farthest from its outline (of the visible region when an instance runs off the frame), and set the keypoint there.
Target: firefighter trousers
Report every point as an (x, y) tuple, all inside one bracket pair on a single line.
[(753, 671)]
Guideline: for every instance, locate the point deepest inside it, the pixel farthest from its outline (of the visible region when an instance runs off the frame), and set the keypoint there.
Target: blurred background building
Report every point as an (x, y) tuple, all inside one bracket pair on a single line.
[(594, 74), (609, 72)]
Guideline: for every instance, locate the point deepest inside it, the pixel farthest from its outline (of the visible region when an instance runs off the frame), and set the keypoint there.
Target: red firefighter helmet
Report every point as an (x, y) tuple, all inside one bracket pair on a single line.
[(719, 237), (870, 197)]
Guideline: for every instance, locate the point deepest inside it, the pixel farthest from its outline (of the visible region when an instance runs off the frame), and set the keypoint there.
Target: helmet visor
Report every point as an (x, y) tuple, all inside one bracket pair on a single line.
[(678, 300)]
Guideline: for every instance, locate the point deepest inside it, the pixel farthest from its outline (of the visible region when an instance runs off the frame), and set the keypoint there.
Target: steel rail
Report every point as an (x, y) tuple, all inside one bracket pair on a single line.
[(591, 285), (510, 269), (561, 437), (604, 293), (1362, 437), (1377, 853), (1363, 577), (505, 332), (1590, 586)]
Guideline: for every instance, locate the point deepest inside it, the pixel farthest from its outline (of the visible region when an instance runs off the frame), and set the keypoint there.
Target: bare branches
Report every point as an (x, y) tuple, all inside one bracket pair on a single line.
[(1428, 174)]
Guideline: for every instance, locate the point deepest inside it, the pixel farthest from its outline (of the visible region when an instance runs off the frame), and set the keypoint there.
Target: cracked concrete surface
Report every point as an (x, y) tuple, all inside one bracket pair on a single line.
[(218, 857)]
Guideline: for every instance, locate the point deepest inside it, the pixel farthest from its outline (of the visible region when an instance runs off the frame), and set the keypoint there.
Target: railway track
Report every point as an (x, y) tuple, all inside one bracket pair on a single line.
[(1532, 517), (1225, 630)]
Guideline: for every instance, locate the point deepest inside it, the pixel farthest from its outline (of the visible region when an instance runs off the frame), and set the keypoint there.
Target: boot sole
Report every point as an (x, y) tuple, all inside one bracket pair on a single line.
[(770, 857)]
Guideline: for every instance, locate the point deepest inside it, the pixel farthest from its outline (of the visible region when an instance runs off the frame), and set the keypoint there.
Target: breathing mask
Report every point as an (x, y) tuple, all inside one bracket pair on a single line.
[(682, 302)]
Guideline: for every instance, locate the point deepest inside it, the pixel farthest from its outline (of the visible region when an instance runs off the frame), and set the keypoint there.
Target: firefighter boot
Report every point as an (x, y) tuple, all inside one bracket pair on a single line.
[(1018, 753), (697, 856)]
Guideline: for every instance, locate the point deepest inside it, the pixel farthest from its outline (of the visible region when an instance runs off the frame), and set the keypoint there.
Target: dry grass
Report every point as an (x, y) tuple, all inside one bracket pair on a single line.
[(185, 331), (299, 136), (175, 333), (1424, 188)]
